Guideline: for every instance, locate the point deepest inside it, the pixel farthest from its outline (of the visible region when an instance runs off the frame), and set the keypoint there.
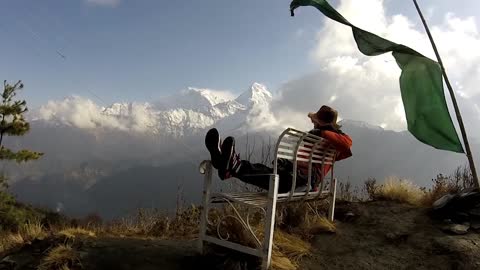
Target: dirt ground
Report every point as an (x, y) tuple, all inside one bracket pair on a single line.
[(379, 235), (387, 235)]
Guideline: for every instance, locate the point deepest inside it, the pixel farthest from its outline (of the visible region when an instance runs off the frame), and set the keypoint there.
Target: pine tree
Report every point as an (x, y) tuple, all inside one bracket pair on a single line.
[(13, 123)]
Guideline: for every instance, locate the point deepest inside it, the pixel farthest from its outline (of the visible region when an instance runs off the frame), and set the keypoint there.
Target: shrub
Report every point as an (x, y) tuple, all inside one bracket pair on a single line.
[(398, 190), (13, 214), (459, 180), (60, 257)]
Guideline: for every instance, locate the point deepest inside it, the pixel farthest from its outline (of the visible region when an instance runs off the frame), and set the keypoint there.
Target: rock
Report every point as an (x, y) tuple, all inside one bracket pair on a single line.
[(346, 215), (460, 217), (474, 212), (349, 216), (7, 263), (447, 221), (457, 228), (475, 225), (390, 235), (396, 237), (467, 199), (469, 192), (82, 254), (440, 203)]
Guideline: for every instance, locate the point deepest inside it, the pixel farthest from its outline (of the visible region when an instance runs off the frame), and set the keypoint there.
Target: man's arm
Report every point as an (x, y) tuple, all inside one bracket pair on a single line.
[(341, 142)]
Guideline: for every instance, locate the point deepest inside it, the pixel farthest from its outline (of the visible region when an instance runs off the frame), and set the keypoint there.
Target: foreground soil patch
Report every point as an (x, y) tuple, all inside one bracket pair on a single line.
[(387, 235)]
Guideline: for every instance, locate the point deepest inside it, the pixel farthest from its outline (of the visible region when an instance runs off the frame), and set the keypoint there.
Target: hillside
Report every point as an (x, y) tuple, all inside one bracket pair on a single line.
[(379, 235)]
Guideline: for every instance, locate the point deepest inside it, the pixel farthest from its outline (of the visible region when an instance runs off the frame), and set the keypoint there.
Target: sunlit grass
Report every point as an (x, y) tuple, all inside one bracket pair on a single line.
[(59, 257), (403, 191)]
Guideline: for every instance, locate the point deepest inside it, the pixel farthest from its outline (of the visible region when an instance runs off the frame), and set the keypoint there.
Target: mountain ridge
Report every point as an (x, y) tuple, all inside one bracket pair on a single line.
[(88, 151)]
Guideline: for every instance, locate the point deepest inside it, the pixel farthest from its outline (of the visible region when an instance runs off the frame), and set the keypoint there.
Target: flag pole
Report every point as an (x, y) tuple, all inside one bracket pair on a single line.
[(454, 100)]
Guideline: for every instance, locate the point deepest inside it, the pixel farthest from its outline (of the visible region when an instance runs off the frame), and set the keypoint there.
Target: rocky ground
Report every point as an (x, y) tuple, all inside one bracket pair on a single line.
[(372, 235), (387, 235)]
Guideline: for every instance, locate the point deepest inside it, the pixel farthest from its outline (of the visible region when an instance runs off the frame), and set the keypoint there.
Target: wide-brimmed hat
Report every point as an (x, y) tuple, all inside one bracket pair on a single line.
[(325, 115)]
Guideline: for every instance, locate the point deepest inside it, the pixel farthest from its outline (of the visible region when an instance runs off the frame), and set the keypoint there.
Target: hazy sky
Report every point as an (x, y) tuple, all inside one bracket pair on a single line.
[(125, 50)]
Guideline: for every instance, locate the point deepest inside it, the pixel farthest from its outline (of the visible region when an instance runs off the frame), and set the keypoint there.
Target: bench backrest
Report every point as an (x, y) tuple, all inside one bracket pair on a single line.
[(299, 146)]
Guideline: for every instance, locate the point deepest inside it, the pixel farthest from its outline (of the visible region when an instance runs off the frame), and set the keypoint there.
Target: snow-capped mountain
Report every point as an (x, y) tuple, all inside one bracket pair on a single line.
[(195, 99), (257, 95), (186, 113), (348, 123)]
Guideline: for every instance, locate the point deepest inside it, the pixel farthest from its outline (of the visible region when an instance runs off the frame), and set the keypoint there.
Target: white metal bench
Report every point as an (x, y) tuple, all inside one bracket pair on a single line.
[(292, 145)]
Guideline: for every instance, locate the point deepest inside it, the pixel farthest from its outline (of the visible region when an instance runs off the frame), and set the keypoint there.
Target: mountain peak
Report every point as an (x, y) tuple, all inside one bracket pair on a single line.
[(258, 87), (205, 94), (256, 94), (195, 99), (348, 123)]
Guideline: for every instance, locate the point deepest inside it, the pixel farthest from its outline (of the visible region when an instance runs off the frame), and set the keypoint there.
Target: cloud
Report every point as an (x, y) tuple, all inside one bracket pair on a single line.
[(223, 95), (84, 113), (367, 88), (108, 3)]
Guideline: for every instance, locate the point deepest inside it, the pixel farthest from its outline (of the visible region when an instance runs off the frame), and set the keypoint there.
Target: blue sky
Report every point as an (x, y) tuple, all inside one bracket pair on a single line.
[(141, 50)]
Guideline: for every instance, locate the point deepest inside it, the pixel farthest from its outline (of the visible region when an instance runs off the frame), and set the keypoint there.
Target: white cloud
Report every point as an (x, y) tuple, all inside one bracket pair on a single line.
[(360, 87), (84, 113), (366, 88), (222, 94), (109, 3)]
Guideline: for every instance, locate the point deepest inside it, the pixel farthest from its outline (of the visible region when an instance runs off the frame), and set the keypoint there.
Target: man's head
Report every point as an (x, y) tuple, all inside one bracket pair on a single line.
[(324, 116)]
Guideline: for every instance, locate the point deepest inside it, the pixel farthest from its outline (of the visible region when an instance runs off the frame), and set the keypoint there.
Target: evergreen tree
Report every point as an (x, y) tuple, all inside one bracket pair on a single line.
[(13, 123)]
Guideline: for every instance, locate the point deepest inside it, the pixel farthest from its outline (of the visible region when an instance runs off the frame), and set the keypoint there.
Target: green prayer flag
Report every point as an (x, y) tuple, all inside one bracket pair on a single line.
[(421, 83)]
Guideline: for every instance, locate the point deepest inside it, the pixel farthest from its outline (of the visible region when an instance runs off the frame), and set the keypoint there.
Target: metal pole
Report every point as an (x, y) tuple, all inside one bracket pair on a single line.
[(454, 100)]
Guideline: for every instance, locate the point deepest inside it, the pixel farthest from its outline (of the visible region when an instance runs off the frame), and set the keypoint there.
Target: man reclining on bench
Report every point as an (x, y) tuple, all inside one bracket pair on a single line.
[(229, 164)]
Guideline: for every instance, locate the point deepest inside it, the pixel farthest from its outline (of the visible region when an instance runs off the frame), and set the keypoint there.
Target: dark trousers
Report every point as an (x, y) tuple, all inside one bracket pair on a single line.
[(257, 174)]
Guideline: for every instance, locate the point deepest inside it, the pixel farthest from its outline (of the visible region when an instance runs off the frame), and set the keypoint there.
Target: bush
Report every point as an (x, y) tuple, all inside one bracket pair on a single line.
[(459, 180), (346, 192), (398, 190), (370, 188), (13, 214), (60, 257)]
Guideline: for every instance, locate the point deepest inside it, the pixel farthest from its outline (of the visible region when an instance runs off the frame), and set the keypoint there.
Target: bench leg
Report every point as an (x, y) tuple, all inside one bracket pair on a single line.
[(205, 203), (270, 222), (333, 196)]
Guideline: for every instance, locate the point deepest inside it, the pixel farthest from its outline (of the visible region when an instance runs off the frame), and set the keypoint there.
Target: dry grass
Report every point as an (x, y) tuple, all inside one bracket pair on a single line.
[(434, 194), (155, 223), (60, 257), (288, 249), (31, 231), (319, 224), (10, 240), (461, 179), (64, 267), (293, 247), (398, 190), (442, 185), (26, 233), (76, 231), (282, 262), (405, 191)]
